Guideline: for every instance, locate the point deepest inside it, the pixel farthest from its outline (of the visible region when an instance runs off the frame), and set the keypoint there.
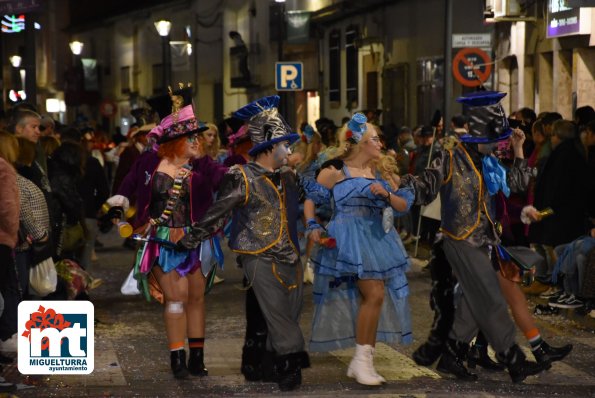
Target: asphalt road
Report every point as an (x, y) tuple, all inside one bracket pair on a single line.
[(132, 360)]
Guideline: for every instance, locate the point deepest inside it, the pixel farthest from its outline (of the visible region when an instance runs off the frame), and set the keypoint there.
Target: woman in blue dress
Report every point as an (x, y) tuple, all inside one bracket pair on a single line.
[(360, 287)]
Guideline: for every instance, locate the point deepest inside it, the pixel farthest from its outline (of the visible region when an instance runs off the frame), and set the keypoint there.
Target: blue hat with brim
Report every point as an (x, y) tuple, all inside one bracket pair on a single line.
[(293, 137), (266, 126), (486, 118)]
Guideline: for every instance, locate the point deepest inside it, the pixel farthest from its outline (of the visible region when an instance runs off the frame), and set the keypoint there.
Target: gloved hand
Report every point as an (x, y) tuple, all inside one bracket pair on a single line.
[(188, 242)]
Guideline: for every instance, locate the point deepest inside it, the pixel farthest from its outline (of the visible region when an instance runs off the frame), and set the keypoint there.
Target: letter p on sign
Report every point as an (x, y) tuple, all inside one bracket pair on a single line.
[(288, 76)]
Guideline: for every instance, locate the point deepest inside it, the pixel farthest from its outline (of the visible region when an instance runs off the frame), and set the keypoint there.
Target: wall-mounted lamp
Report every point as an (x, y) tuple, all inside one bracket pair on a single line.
[(15, 61), (52, 105), (163, 27), (76, 47)]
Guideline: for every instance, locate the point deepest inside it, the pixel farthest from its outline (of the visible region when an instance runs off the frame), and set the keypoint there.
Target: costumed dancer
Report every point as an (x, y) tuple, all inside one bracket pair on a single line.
[(466, 177), (369, 259), (264, 198), (441, 302), (174, 187)]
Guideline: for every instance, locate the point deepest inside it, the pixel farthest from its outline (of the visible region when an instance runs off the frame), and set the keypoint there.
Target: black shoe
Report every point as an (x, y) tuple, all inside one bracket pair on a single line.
[(546, 353), (288, 369), (178, 364), (518, 366), (196, 365), (478, 355), (290, 380), (427, 353), (451, 365), (451, 361)]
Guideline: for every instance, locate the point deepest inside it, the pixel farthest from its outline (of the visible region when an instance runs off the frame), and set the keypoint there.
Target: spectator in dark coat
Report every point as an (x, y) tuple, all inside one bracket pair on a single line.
[(561, 186), (94, 190), (65, 169)]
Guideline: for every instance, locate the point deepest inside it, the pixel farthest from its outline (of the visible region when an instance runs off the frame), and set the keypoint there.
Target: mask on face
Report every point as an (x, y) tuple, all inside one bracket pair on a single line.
[(280, 153)]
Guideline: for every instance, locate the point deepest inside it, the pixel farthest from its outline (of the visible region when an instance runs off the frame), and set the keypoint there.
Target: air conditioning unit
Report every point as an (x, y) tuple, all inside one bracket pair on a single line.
[(502, 9)]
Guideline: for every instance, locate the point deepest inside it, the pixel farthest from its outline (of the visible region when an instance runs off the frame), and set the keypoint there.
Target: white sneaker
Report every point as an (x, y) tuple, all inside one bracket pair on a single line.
[(9, 345), (217, 280)]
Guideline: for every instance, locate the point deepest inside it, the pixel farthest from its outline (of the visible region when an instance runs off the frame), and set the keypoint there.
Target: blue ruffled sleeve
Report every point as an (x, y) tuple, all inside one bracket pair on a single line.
[(404, 192), (407, 194), (314, 191)]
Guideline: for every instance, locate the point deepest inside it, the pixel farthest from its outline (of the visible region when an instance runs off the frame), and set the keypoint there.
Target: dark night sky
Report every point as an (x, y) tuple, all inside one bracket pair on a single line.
[(84, 12)]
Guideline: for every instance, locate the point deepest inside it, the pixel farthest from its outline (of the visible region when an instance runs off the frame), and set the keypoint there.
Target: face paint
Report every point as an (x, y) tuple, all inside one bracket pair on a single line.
[(280, 153)]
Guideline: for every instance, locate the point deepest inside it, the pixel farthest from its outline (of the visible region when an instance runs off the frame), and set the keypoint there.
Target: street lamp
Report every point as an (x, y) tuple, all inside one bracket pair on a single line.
[(76, 47), (163, 28), (15, 61)]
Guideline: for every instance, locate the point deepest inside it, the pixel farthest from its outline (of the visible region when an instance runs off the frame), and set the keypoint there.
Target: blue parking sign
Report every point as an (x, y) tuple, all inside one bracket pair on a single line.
[(289, 76)]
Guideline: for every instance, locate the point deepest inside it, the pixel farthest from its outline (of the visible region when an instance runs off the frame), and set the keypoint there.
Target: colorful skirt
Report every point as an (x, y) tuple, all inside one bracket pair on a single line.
[(154, 254)]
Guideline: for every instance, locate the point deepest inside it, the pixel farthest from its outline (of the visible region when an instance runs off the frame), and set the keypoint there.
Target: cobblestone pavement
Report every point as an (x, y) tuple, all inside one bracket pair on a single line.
[(132, 360)]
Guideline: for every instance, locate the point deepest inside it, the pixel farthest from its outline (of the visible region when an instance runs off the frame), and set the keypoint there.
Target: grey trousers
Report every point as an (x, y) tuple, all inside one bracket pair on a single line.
[(482, 305), (281, 306)]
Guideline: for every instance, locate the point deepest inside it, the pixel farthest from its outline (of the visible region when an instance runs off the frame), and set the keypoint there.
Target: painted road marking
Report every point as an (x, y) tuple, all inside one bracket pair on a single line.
[(390, 363)]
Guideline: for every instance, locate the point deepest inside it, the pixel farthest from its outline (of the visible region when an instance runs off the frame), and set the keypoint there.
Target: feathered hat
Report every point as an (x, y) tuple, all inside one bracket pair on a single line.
[(356, 127), (486, 117), (177, 115), (308, 134), (266, 126)]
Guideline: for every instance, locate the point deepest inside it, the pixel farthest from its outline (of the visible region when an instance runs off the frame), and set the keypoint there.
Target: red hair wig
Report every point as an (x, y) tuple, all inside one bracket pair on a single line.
[(173, 148)]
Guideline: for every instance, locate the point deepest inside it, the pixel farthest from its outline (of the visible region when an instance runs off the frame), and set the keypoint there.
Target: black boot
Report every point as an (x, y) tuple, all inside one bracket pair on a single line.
[(451, 361), (289, 369), (254, 349), (196, 365), (429, 352), (518, 366), (546, 353), (478, 355), (178, 364)]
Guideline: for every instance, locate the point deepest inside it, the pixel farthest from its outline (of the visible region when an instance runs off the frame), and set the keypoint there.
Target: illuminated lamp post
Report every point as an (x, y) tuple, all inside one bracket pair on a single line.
[(163, 27)]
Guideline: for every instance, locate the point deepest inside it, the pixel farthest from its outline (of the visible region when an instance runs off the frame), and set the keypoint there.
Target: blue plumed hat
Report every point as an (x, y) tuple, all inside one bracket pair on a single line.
[(356, 127), (308, 134), (266, 126), (486, 118)]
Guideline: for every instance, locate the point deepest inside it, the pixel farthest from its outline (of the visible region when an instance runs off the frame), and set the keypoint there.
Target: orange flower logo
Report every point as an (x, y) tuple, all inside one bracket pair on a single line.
[(43, 319)]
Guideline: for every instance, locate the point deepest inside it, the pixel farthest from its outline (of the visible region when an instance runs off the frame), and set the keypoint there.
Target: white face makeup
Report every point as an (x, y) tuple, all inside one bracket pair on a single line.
[(280, 153)]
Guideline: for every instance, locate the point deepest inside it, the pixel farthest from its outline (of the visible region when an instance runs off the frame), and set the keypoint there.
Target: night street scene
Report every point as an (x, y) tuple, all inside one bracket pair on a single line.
[(245, 198)]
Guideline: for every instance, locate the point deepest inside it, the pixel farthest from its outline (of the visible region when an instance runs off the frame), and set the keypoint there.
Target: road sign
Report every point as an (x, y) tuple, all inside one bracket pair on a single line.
[(289, 76), (471, 67), (471, 40)]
